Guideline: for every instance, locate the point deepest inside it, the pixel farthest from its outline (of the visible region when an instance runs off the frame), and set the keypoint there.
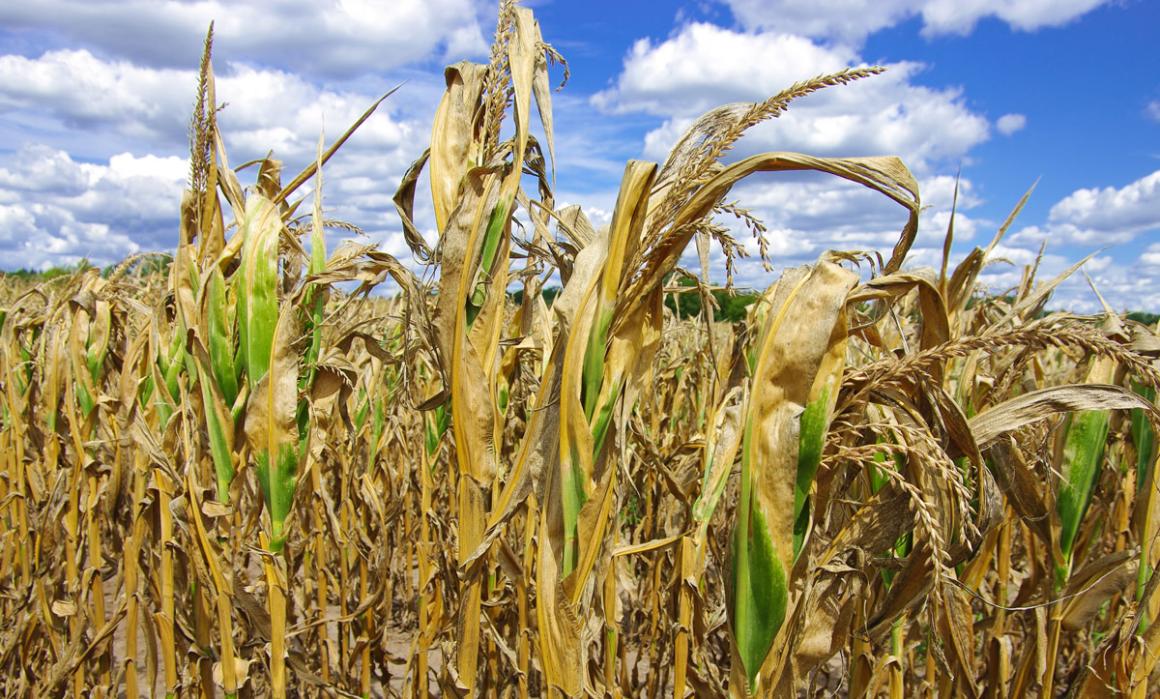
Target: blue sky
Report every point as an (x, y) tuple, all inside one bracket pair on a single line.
[(94, 100)]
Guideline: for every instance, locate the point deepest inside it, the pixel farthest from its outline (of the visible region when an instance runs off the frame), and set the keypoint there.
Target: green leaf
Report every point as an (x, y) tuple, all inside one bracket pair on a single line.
[(221, 337), (1143, 437), (1083, 451), (760, 587), (257, 285), (815, 421)]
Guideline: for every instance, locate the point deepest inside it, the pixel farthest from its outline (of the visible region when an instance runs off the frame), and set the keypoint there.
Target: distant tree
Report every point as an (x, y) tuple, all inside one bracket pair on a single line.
[(50, 272), (549, 295), (731, 305)]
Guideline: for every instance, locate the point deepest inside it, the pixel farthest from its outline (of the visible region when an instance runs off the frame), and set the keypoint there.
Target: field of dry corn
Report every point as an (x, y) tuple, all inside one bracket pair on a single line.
[(259, 467)]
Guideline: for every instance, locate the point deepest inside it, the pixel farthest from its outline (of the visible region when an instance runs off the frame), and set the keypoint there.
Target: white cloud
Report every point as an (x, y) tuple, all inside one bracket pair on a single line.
[(806, 217), (703, 66), (1117, 213), (847, 20), (54, 210), (265, 108), (1126, 287), (956, 17), (1059, 234), (1153, 110), (851, 21), (836, 212), (290, 69), (35, 236), (1090, 220), (287, 72), (1151, 256), (706, 65), (345, 38), (82, 91), (1010, 123), (930, 129)]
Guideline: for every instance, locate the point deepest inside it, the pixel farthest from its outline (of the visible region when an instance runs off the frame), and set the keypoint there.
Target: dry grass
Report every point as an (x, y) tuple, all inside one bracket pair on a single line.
[(231, 478)]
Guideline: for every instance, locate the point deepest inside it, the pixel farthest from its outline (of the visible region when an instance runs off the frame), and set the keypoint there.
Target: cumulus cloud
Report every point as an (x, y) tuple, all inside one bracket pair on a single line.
[(289, 71), (1126, 286), (806, 217), (934, 130), (1153, 110), (1117, 213), (1151, 256), (38, 237), (125, 203), (92, 202), (81, 91), (55, 210), (1010, 123), (93, 88), (838, 212), (701, 67), (851, 21), (1114, 281), (1098, 219), (705, 65), (342, 39), (954, 17), (265, 108)]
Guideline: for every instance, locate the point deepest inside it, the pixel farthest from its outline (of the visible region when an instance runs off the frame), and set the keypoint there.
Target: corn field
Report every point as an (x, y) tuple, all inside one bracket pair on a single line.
[(259, 467)]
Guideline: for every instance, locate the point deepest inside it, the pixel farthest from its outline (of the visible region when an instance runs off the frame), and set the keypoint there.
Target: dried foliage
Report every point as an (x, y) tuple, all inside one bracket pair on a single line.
[(224, 474)]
